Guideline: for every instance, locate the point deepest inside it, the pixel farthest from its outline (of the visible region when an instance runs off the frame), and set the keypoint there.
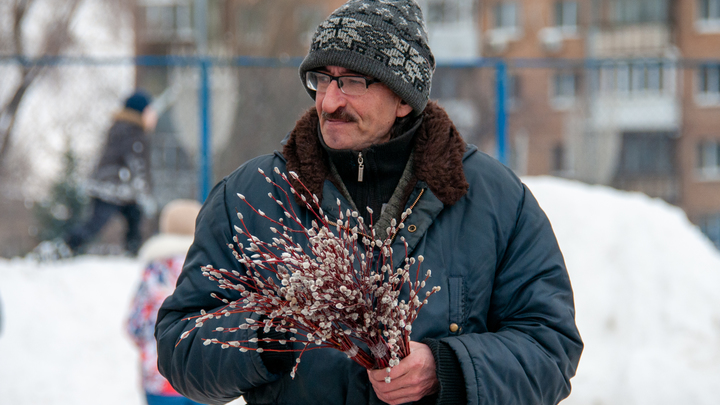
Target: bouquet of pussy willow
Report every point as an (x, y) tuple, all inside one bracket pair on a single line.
[(340, 291)]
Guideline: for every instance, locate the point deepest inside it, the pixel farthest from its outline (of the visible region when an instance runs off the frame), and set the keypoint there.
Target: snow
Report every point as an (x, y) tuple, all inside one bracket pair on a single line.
[(63, 340), (645, 284)]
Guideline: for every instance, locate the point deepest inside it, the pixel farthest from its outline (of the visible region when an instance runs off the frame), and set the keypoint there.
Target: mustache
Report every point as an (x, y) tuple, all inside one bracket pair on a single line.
[(339, 115)]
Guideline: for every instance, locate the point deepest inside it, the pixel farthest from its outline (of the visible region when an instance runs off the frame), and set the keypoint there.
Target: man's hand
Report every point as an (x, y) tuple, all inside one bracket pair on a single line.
[(410, 380)]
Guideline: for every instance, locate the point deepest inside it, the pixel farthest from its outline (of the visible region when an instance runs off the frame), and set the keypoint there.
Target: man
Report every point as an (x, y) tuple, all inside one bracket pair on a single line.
[(501, 329)]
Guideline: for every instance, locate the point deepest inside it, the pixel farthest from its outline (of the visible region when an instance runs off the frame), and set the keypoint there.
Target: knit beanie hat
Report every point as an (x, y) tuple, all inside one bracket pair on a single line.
[(383, 39), (138, 101)]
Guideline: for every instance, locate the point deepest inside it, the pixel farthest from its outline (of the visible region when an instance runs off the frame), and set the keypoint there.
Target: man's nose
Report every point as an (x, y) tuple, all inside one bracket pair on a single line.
[(334, 98)]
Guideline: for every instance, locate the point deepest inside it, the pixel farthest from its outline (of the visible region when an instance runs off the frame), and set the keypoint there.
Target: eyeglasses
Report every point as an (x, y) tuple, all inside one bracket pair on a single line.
[(350, 85)]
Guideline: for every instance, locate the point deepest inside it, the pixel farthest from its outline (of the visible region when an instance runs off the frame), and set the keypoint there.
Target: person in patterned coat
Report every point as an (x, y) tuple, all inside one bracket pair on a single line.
[(163, 255)]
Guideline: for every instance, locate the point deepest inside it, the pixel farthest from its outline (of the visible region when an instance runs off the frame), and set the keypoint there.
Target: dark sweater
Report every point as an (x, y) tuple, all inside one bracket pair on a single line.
[(383, 167)]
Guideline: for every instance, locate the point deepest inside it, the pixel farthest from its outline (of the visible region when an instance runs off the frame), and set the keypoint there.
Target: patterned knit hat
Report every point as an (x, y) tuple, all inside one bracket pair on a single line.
[(384, 39)]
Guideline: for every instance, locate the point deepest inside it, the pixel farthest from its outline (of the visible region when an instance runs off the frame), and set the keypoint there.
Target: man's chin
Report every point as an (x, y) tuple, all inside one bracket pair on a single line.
[(337, 135)]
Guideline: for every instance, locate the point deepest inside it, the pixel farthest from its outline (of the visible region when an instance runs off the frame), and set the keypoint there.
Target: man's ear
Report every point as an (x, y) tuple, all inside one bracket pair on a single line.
[(403, 109)]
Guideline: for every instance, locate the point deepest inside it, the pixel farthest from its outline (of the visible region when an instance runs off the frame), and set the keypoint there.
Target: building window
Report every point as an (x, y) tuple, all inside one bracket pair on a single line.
[(252, 23), (605, 78), (566, 14), (639, 11), (708, 160), (708, 16), (652, 77), (647, 154), (709, 10), (645, 77), (636, 77), (710, 226), (507, 27), (708, 79), (307, 18), (512, 90), (169, 20), (558, 159), (648, 163), (565, 87), (507, 15), (443, 12), (449, 12), (622, 76)]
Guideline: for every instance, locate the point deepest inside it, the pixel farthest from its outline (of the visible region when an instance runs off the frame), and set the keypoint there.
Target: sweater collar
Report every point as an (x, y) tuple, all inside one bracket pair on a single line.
[(386, 159)]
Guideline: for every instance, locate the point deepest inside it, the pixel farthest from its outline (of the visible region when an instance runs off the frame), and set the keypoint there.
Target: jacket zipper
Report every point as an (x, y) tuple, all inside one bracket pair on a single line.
[(361, 167)]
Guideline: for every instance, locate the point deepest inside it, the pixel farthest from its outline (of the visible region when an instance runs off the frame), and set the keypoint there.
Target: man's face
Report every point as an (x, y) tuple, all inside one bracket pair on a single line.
[(356, 122)]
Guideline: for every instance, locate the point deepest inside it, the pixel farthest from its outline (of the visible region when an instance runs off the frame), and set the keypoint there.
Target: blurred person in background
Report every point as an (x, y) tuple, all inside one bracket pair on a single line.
[(163, 256), (120, 183)]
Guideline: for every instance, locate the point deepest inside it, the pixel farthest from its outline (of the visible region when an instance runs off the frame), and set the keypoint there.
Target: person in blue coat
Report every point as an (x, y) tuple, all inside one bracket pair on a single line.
[(502, 328), (120, 183)]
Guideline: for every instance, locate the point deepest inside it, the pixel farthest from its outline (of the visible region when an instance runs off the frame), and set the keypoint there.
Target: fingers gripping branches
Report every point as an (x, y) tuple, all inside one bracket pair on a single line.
[(343, 294)]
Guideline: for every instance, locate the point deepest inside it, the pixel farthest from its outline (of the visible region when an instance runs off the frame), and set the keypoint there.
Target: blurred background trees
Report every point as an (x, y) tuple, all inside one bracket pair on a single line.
[(39, 28)]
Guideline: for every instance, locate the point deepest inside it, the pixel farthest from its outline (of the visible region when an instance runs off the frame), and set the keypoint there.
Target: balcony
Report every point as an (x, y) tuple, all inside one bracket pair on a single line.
[(649, 39), (638, 112)]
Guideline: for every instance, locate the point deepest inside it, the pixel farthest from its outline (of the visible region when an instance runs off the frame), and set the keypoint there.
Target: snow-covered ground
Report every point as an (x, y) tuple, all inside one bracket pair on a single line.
[(645, 284)]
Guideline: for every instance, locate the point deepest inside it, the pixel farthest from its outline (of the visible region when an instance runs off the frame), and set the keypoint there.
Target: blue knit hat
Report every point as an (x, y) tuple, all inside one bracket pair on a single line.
[(138, 101), (384, 39)]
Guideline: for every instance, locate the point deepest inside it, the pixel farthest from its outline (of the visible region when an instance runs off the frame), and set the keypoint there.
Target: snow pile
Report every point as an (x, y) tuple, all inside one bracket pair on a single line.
[(647, 306), (644, 281), (63, 339)]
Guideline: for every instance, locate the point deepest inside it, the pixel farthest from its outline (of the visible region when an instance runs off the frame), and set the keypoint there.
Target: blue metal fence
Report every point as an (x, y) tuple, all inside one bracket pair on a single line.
[(204, 64), (495, 105)]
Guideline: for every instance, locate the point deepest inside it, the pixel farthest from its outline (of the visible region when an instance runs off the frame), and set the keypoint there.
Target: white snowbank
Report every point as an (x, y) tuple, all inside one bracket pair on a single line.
[(644, 281), (63, 339), (647, 305)]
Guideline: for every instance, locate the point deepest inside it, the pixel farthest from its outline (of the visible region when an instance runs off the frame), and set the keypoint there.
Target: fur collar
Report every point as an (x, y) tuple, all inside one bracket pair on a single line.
[(131, 116), (439, 150)]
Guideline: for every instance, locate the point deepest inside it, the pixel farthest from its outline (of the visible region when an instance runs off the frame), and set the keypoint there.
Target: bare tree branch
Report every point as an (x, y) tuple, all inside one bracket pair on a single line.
[(21, 7), (57, 37)]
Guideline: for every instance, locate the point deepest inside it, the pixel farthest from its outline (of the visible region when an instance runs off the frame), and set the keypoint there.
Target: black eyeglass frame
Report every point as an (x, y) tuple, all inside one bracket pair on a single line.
[(368, 81)]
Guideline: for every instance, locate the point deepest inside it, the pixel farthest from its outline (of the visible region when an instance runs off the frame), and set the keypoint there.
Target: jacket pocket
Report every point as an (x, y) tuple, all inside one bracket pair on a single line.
[(457, 303)]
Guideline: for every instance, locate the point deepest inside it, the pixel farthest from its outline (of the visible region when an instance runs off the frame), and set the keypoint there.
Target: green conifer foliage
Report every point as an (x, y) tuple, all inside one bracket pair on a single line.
[(65, 205)]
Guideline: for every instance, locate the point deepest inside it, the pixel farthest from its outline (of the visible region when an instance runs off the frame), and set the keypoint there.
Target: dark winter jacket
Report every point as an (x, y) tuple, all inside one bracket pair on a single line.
[(489, 245), (122, 174)]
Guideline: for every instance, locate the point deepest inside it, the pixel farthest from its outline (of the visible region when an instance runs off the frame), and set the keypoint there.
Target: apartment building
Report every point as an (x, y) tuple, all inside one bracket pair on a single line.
[(641, 112), (617, 92), (545, 100), (698, 40)]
